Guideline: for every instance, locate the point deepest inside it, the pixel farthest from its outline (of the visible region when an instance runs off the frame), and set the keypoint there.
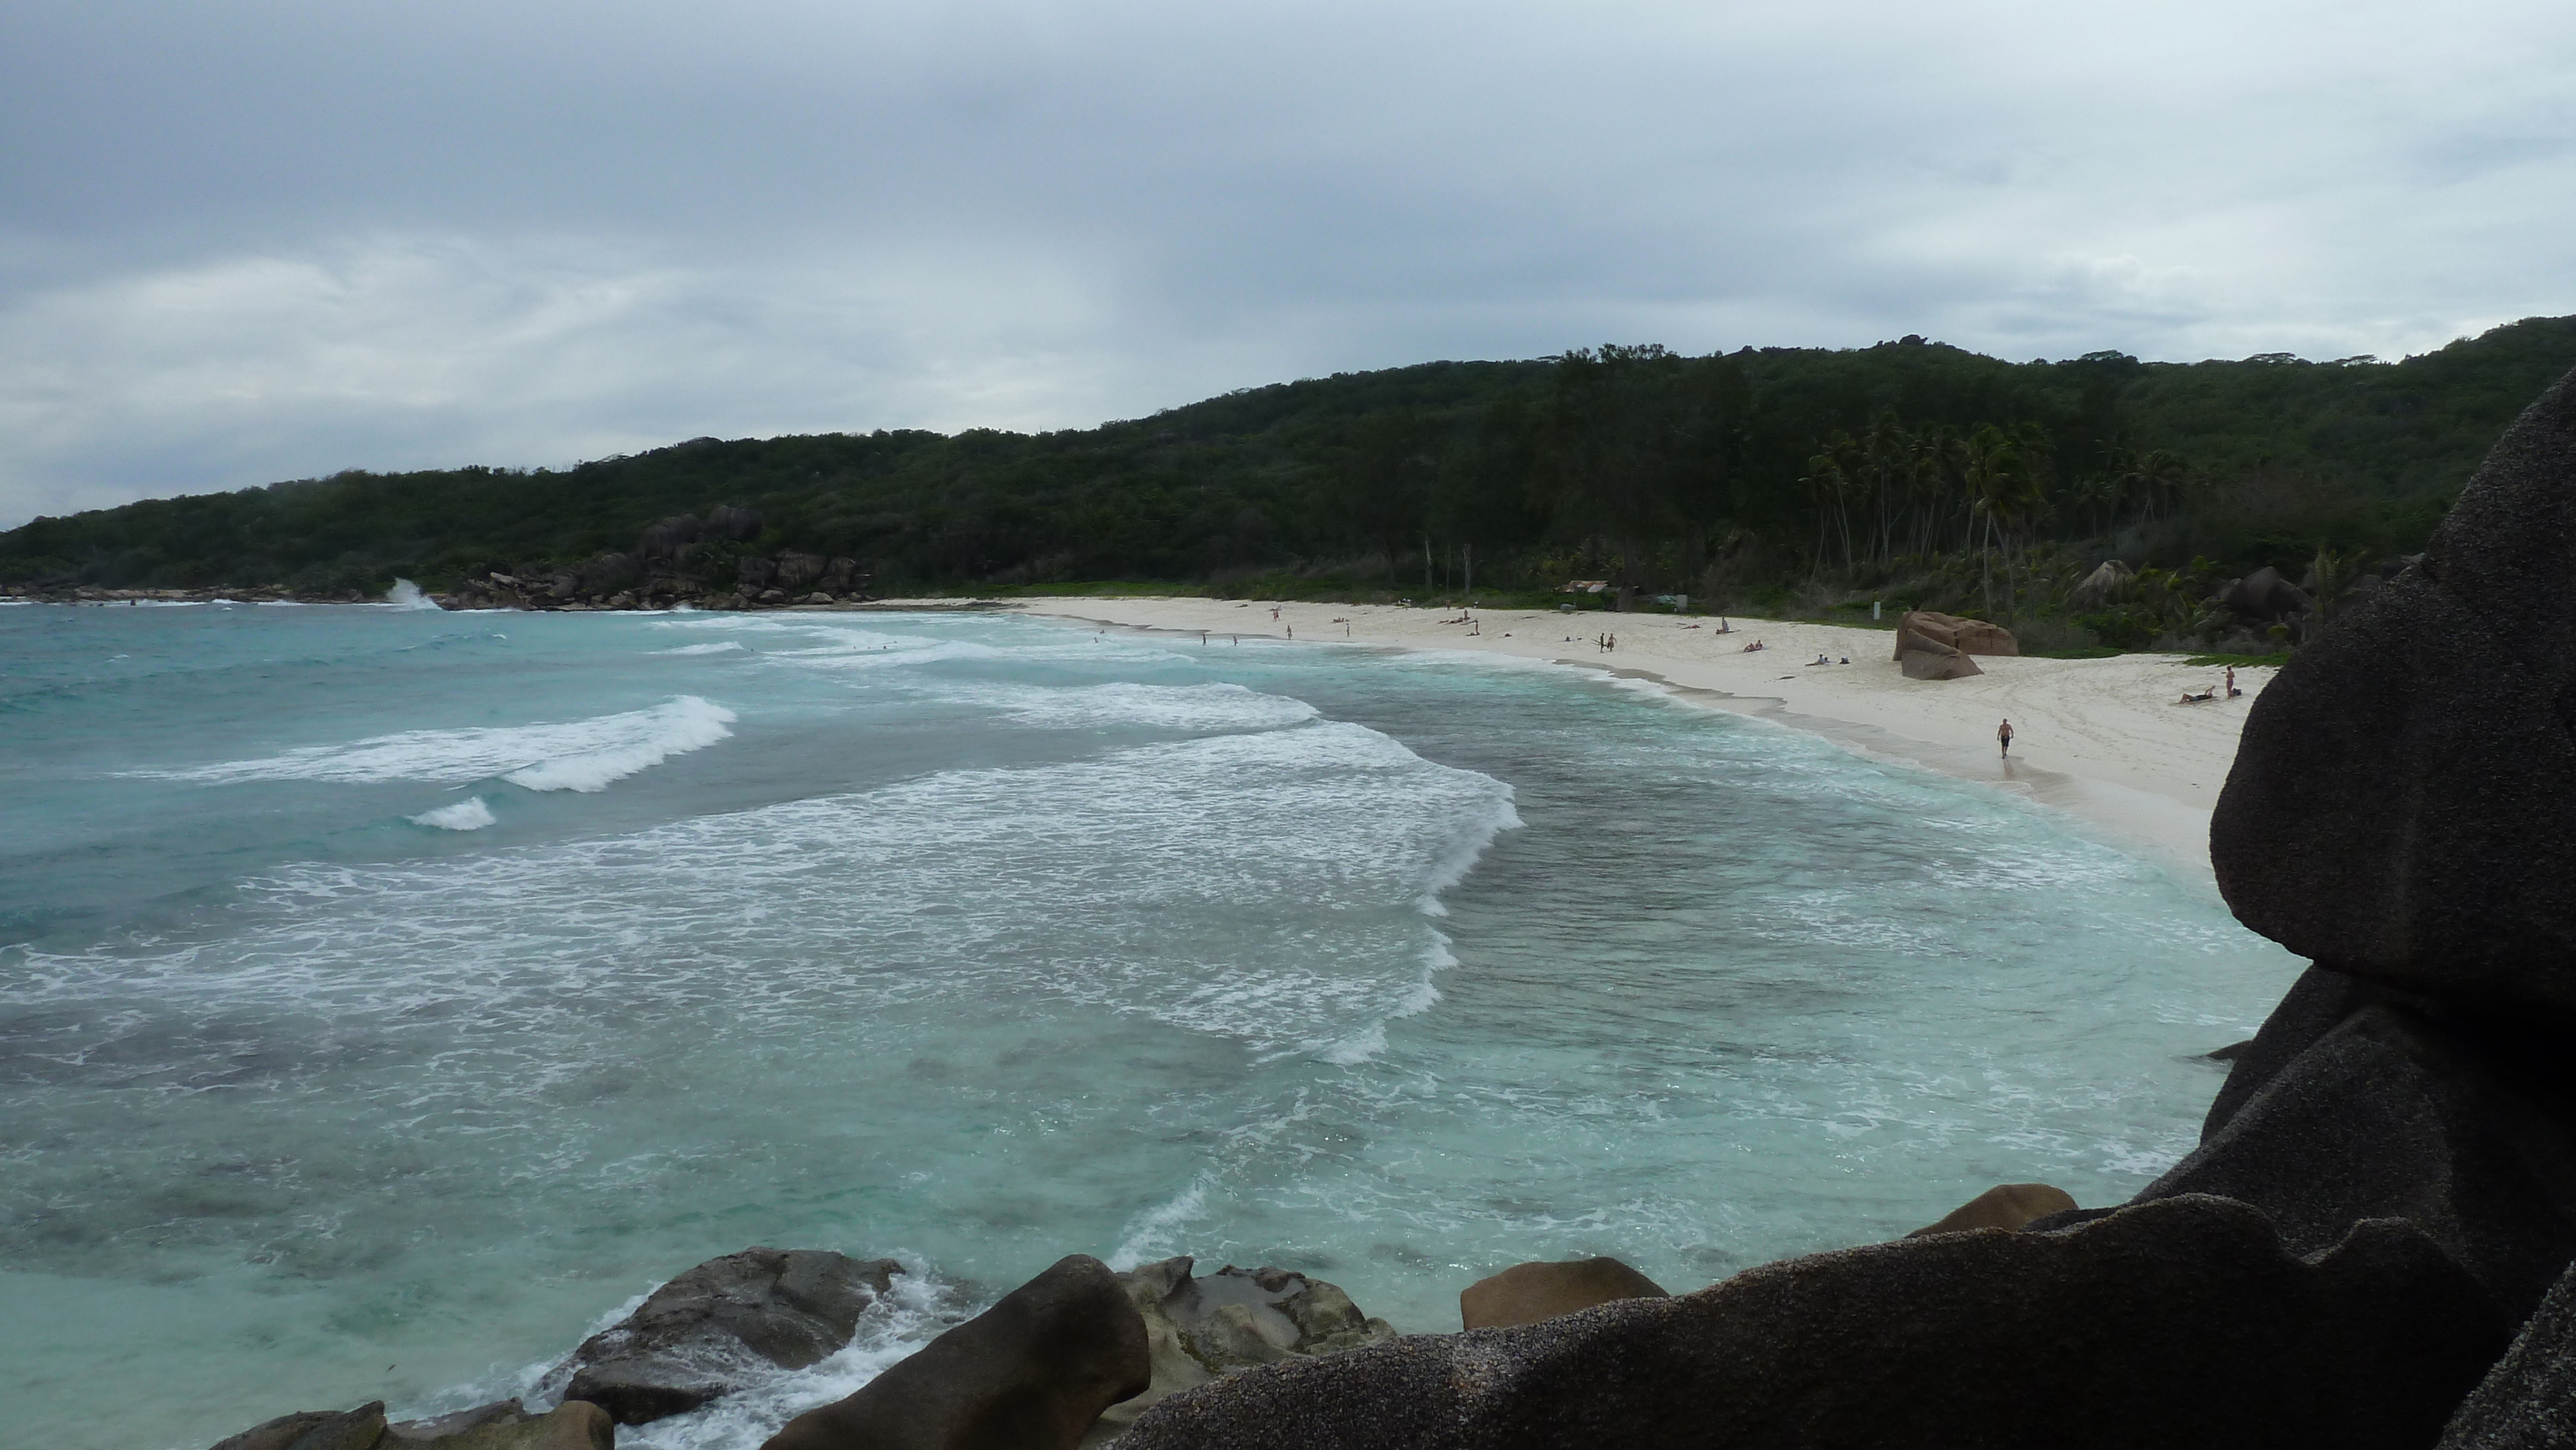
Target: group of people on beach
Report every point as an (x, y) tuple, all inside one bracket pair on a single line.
[(2188, 698)]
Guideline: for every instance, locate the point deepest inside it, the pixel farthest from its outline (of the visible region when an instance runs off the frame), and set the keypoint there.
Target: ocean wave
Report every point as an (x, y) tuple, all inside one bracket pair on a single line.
[(407, 595), (720, 647), (469, 814), (1059, 880), (577, 755), (1208, 707)]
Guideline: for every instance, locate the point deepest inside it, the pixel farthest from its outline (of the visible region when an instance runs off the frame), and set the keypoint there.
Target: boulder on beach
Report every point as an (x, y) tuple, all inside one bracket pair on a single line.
[(722, 1323), (2403, 804), (1529, 1293), (2178, 1322), (1922, 663), (2006, 1205), (1034, 1372), (1925, 629)]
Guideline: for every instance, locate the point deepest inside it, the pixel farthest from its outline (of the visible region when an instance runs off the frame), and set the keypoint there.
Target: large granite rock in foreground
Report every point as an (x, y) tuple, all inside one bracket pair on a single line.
[(721, 1324), (2528, 1401), (2403, 805), (504, 1425), (1031, 1373), (2176, 1323), (2353, 1105)]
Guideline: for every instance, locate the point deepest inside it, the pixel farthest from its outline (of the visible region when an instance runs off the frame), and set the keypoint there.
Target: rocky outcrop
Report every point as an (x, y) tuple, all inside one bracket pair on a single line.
[(1034, 1372), (572, 1425), (1197, 1329), (665, 539), (2401, 804), (2388, 1114), (1937, 646), (2105, 582), (2528, 1401), (1924, 629), (2179, 1322), (2006, 1205), (1936, 663), (357, 1429), (728, 1320), (736, 524), (1529, 1293), (2264, 597)]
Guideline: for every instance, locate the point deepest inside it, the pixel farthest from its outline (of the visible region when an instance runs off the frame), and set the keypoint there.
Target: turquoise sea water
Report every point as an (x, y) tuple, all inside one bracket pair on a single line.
[(387, 998)]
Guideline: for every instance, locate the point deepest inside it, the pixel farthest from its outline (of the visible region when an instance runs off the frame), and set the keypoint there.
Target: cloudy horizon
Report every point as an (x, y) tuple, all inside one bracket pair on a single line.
[(282, 239)]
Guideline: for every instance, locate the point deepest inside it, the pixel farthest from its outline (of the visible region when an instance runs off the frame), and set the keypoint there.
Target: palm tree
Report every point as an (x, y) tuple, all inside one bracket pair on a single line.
[(1992, 475)]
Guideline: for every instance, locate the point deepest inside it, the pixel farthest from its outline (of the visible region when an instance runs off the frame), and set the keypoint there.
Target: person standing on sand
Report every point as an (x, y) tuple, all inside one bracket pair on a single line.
[(2003, 737)]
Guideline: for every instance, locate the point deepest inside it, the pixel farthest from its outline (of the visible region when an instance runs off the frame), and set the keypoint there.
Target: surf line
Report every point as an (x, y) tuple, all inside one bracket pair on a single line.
[(2137, 822)]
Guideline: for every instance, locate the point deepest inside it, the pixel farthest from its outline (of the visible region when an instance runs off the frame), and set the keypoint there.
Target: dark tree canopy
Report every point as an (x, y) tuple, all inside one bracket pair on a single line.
[(1736, 472)]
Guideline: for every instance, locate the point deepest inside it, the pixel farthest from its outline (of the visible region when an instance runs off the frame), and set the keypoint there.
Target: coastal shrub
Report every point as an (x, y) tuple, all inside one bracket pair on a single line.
[(2125, 628)]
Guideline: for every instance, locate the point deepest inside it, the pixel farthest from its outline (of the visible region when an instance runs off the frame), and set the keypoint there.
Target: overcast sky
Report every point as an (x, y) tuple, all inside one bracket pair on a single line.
[(243, 240)]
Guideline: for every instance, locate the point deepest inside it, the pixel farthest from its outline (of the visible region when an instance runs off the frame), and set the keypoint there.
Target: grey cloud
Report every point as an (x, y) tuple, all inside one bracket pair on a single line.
[(263, 240)]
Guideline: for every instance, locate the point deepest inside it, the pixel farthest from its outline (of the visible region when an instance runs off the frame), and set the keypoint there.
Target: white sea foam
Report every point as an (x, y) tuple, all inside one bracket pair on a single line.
[(407, 595), (469, 814), (720, 647), (1153, 1231), (578, 755), (1194, 708)]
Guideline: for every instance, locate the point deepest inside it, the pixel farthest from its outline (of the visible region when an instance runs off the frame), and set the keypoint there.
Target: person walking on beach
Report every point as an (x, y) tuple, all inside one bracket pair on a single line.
[(2003, 737)]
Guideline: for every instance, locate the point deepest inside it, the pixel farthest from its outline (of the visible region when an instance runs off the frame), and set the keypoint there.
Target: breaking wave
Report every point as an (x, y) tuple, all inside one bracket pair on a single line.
[(577, 755)]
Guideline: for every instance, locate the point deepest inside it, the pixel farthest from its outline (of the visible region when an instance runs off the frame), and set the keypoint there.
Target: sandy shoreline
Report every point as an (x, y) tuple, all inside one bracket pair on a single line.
[(2104, 739)]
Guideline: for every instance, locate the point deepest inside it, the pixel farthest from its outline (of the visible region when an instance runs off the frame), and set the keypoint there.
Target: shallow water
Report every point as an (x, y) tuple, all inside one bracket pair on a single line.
[(389, 997)]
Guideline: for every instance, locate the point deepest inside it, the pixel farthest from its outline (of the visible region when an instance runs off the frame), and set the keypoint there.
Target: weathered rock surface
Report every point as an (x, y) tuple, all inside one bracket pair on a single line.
[(2528, 1401), (1926, 629), (2388, 1114), (572, 1425), (1199, 1328), (1034, 1372), (2106, 580), (2006, 1205), (704, 1333), (2401, 803), (2177, 1322), (357, 1429), (1922, 663), (729, 522), (2264, 596), (1529, 1293)]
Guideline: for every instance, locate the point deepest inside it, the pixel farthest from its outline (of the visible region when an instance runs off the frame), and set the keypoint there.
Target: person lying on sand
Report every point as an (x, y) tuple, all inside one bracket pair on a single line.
[(1750, 648)]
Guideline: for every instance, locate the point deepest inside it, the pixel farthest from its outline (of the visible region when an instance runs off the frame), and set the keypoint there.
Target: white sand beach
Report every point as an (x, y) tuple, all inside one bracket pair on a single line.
[(2102, 738)]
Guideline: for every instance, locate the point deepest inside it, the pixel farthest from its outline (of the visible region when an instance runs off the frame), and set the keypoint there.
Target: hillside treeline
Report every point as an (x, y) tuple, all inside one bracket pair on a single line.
[(1776, 477)]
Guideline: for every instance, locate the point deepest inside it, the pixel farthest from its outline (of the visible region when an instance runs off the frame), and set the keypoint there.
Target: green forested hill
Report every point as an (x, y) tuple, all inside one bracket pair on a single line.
[(1725, 475)]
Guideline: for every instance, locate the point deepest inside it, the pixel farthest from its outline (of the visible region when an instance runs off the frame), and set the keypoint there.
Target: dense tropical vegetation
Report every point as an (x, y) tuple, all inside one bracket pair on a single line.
[(1774, 478)]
